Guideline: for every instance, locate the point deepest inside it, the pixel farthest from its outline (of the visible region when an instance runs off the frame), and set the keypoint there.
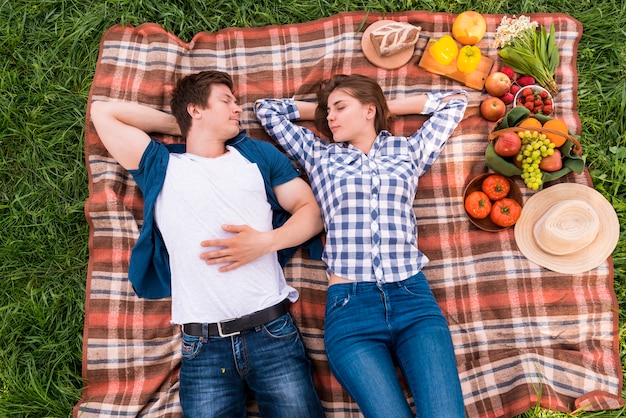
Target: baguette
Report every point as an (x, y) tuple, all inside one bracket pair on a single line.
[(394, 37)]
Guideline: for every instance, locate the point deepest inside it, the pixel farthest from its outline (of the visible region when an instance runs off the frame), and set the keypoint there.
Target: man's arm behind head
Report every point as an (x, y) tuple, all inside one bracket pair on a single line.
[(123, 128)]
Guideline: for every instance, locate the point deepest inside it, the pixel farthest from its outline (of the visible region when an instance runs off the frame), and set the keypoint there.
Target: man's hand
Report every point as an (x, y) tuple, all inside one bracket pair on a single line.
[(248, 244), (245, 246)]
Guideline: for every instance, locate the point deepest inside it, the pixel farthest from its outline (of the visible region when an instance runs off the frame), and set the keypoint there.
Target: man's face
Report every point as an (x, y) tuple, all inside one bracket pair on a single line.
[(221, 114)]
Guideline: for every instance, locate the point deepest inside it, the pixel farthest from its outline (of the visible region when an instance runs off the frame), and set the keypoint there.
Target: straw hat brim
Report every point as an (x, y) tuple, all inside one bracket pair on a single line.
[(587, 258), (391, 62)]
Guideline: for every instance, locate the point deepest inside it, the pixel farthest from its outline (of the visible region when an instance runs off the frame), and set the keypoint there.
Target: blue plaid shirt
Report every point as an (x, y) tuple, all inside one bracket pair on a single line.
[(366, 199)]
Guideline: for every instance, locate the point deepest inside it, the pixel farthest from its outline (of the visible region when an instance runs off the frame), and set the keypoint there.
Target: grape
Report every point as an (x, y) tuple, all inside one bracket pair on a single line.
[(535, 146)]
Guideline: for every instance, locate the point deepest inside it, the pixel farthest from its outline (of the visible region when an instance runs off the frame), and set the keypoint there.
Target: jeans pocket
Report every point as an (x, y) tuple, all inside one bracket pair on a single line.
[(191, 346), (336, 302), (416, 286), (281, 327)]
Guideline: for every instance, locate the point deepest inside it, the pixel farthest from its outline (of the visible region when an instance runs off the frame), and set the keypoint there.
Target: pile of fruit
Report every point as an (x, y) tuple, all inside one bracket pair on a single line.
[(503, 87), (533, 146), (536, 100), (533, 151), (537, 153), (492, 201), (498, 86)]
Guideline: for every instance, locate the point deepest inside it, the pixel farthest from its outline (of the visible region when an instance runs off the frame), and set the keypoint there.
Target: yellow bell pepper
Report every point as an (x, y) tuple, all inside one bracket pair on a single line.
[(445, 50), (469, 58)]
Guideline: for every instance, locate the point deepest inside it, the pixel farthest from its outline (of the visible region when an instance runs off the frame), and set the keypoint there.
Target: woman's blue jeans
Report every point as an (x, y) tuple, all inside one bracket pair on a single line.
[(270, 361), (370, 328)]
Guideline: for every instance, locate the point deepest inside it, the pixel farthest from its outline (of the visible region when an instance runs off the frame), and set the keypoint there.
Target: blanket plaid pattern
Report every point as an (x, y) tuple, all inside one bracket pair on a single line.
[(523, 335)]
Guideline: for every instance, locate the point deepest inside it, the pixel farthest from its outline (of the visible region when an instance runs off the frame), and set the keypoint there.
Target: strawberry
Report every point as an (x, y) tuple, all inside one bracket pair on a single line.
[(547, 102), (529, 106), (538, 102), (546, 109), (543, 94), (527, 92)]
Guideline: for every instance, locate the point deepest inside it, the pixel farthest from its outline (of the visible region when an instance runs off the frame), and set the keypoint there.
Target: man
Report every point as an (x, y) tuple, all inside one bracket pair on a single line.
[(233, 189)]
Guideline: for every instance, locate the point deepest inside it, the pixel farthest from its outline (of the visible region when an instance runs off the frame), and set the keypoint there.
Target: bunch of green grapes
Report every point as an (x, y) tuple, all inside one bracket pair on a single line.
[(535, 146)]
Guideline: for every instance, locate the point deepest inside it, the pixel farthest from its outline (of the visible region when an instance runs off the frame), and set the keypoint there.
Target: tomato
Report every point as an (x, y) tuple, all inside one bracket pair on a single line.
[(478, 205), (496, 186), (505, 212)]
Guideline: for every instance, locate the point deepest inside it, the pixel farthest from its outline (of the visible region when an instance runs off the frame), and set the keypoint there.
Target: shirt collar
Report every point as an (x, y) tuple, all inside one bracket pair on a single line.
[(237, 139)]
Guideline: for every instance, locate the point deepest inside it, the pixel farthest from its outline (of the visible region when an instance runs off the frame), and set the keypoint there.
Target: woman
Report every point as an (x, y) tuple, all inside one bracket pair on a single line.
[(380, 311)]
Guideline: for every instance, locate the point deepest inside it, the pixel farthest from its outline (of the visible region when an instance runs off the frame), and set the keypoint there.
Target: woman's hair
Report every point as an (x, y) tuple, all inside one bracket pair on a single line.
[(362, 88), (195, 89)]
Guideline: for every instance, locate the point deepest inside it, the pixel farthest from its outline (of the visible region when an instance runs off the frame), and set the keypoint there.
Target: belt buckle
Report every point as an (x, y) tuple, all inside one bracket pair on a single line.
[(221, 333)]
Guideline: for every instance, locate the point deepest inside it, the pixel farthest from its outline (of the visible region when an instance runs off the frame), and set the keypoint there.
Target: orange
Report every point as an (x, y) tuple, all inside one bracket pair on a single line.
[(530, 123), (469, 27), (556, 125)]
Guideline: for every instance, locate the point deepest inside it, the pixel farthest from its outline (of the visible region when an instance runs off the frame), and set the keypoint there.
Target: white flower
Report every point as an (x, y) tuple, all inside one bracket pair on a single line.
[(511, 28)]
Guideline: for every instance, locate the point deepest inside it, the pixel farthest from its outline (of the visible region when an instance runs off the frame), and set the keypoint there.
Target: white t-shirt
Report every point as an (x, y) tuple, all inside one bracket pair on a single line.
[(199, 196)]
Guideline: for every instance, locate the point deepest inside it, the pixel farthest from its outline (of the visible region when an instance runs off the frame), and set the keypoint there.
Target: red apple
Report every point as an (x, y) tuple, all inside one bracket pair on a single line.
[(507, 144), (552, 162), (498, 84), (492, 109)]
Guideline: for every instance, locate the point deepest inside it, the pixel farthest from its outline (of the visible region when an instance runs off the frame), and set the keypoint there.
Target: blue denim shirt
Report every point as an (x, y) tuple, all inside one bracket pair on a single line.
[(149, 270)]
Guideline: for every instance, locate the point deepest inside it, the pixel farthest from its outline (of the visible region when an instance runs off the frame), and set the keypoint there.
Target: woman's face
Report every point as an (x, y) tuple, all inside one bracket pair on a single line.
[(348, 119)]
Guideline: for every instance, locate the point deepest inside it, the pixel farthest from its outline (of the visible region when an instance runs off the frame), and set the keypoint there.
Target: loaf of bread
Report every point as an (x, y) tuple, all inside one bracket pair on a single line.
[(394, 37)]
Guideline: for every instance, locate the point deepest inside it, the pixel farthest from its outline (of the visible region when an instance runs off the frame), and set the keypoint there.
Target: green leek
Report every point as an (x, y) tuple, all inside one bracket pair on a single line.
[(536, 54)]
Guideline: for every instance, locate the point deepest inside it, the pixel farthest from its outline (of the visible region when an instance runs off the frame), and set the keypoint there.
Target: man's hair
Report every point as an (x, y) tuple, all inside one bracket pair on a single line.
[(195, 89), (362, 88)]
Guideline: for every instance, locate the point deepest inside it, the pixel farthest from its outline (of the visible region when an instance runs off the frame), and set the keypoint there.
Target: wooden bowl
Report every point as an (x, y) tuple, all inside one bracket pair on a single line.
[(475, 184)]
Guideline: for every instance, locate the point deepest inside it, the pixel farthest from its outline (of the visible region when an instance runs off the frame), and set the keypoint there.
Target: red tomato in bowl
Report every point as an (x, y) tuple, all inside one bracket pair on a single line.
[(478, 205), (496, 186), (505, 212)]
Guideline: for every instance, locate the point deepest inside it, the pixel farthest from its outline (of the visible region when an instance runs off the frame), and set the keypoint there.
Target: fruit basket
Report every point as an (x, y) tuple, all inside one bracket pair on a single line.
[(570, 150)]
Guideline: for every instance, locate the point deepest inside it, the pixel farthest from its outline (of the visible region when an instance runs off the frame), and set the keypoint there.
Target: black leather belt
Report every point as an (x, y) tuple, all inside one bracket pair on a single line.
[(230, 327)]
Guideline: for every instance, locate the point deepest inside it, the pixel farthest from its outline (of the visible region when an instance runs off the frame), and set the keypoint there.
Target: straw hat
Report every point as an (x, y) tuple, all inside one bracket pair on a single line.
[(390, 62), (568, 228)]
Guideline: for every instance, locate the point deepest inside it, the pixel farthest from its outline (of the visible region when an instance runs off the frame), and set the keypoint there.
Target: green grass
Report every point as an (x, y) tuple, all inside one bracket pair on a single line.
[(48, 51)]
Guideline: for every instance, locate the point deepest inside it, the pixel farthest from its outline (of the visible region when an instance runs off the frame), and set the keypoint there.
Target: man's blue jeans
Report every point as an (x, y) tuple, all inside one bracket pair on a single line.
[(270, 361), (371, 328)]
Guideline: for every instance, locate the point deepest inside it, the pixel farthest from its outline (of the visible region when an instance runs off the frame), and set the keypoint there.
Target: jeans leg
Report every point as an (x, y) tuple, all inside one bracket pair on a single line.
[(210, 385), (358, 347), (280, 372), (425, 351)]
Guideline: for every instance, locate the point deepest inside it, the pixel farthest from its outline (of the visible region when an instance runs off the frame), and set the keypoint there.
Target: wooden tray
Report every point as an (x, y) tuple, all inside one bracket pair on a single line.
[(474, 80)]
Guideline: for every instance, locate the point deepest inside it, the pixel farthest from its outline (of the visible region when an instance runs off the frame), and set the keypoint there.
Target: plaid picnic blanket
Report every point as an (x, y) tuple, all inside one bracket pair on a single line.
[(523, 335)]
